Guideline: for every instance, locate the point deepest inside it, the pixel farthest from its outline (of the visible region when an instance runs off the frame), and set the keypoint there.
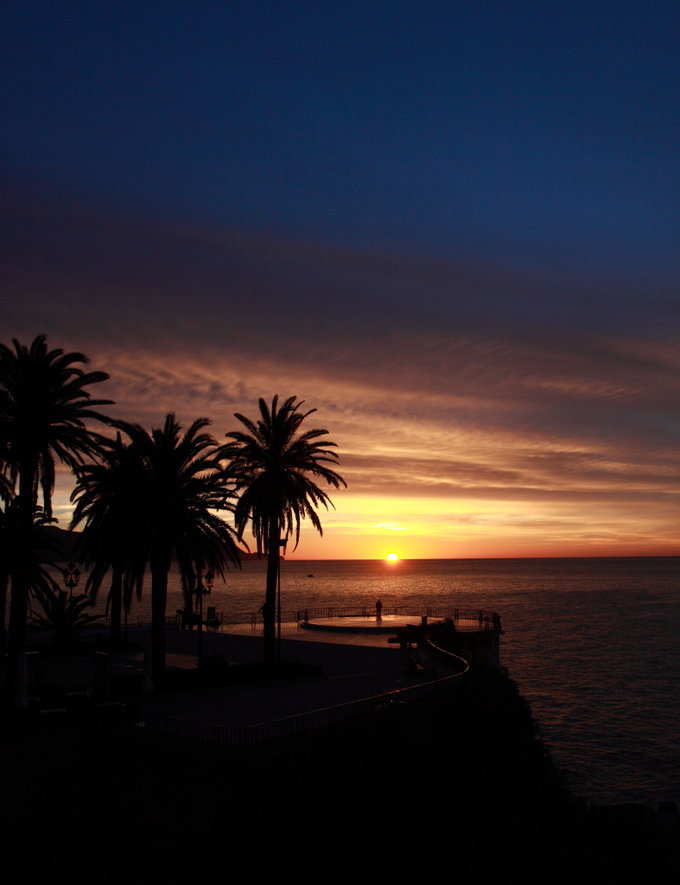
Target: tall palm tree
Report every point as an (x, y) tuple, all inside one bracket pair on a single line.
[(182, 486), (6, 542), (275, 469), (44, 407), (105, 497), (35, 552)]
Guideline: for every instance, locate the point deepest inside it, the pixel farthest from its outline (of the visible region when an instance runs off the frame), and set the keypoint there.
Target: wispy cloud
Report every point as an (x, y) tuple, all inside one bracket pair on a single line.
[(439, 382)]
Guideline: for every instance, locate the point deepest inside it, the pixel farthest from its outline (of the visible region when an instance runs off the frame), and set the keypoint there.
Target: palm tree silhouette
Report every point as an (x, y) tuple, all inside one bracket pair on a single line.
[(44, 407), (173, 507), (6, 542), (63, 613), (274, 469), (36, 552), (104, 498)]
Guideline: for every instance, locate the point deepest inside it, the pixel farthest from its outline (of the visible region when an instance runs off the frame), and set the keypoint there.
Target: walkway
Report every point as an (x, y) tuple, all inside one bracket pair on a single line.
[(355, 665)]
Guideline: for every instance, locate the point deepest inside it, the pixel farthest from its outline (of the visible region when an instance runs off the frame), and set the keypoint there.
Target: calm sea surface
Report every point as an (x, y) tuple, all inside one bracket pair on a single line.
[(592, 643)]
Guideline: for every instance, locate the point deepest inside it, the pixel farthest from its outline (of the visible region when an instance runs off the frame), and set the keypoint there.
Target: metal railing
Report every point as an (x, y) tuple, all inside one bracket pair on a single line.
[(472, 619), (478, 619)]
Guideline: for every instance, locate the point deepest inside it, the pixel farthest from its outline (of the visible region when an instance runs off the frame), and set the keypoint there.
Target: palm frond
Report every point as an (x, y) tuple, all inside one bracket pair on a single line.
[(272, 465)]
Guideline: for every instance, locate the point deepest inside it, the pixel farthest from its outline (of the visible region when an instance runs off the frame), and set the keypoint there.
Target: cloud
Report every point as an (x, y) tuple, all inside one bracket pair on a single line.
[(440, 381), (157, 278)]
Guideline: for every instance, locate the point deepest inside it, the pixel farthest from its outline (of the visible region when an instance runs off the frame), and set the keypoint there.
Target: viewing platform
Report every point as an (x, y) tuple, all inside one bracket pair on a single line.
[(354, 664), (358, 618), (474, 634), (389, 621)]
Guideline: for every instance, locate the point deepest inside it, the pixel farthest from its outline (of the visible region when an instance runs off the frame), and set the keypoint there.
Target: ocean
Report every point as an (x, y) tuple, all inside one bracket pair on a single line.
[(592, 644)]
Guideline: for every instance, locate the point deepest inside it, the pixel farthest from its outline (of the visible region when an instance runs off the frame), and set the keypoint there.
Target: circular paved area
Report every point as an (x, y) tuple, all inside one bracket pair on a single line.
[(387, 624)]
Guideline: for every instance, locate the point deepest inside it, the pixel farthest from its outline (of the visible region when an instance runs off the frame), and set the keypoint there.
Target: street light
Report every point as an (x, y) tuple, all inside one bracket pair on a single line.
[(282, 546), (71, 577), (204, 585)]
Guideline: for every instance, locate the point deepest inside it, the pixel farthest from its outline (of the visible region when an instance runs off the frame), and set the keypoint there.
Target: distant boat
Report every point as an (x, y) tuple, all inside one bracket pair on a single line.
[(310, 576)]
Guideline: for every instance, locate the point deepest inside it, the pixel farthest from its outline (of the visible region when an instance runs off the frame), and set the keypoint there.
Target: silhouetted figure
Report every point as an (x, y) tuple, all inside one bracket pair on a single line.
[(378, 611)]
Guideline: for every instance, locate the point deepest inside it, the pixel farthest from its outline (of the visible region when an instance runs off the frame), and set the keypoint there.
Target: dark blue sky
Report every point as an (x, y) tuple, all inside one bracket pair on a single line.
[(544, 133), (453, 227)]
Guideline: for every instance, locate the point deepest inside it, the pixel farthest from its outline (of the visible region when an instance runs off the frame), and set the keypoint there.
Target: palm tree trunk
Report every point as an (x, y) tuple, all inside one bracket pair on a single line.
[(269, 613), (4, 582), (116, 594), (18, 612), (159, 596)]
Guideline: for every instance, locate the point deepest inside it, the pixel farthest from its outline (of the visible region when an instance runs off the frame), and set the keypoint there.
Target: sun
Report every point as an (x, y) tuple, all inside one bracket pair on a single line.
[(392, 557)]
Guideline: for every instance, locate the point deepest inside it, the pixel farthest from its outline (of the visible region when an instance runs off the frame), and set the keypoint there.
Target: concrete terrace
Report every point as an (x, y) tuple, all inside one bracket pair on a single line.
[(350, 663), (355, 664)]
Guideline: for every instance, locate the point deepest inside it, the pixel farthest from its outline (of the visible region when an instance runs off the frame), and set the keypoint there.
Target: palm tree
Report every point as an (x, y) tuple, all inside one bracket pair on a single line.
[(104, 498), (36, 552), (64, 614), (174, 510), (274, 468), (6, 542), (44, 407)]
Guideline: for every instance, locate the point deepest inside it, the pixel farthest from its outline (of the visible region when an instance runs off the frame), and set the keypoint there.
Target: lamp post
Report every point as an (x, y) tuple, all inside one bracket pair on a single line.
[(282, 546), (204, 585), (71, 577)]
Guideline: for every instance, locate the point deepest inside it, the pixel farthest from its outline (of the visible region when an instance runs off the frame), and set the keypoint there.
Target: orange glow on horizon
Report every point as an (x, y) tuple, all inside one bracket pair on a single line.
[(494, 526)]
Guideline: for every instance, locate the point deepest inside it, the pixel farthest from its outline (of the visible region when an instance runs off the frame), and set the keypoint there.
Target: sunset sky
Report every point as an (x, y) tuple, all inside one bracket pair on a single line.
[(451, 227)]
